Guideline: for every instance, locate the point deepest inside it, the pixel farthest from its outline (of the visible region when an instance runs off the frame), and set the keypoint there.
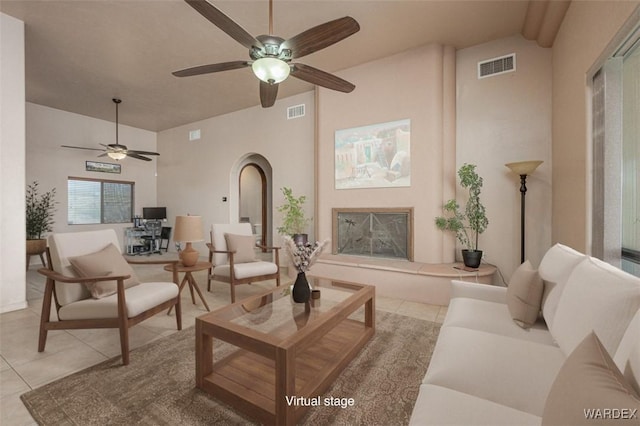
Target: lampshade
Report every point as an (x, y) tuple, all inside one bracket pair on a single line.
[(524, 167), (188, 229), (271, 70), (116, 155)]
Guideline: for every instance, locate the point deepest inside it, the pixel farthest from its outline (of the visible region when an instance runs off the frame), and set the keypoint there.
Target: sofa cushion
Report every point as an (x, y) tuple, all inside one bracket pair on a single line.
[(493, 318), (70, 244), (107, 261), (589, 380), (246, 270), (220, 242), (243, 245), (524, 295), (139, 299), (508, 371), (597, 297), (555, 268), (437, 405)]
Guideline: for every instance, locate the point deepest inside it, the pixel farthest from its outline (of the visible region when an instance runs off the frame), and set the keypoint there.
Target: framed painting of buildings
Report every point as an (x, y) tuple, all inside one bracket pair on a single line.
[(373, 156)]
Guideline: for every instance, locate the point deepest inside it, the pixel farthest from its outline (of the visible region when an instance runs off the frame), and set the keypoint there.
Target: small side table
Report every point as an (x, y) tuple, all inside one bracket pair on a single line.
[(188, 278)]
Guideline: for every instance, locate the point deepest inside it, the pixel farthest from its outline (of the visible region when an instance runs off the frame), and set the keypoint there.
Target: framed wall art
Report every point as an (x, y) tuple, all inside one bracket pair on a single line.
[(95, 166), (374, 156)]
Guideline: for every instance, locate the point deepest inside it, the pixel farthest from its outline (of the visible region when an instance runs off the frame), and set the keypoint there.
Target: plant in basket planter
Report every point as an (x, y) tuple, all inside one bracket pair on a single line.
[(295, 221), (302, 256), (39, 217), (470, 223)]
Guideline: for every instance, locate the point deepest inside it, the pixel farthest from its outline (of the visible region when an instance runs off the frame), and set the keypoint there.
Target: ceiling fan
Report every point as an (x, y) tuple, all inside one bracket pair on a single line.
[(115, 151), (271, 55)]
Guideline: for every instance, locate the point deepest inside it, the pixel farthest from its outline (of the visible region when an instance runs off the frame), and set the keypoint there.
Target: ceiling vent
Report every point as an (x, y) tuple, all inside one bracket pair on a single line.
[(497, 66), (295, 111)]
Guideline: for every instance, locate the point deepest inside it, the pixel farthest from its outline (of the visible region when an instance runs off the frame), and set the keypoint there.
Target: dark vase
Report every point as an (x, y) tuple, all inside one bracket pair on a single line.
[(301, 291), (472, 258), (300, 238)]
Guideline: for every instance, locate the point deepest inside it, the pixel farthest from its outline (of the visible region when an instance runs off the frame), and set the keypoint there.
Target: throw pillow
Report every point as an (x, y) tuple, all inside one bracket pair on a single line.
[(589, 389), (524, 295), (243, 245), (108, 261)]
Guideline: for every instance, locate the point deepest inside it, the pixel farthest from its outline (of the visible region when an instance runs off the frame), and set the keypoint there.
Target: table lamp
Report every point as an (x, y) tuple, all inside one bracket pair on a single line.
[(188, 230), (523, 168)]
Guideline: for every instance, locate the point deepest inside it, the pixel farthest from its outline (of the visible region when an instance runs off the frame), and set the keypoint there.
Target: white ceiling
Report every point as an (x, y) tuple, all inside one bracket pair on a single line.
[(80, 54)]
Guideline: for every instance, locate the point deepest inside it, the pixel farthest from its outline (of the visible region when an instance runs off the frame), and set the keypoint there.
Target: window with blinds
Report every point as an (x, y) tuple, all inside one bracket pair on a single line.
[(94, 201), (616, 157)]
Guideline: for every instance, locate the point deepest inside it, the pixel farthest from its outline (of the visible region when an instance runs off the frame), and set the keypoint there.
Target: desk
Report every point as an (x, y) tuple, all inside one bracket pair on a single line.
[(188, 278)]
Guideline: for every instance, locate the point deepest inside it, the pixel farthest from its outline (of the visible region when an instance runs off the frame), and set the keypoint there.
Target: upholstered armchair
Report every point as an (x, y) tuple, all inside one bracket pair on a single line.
[(93, 286), (232, 254)]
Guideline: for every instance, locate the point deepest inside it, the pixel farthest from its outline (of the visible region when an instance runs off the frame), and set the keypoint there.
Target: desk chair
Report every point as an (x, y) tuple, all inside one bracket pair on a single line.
[(165, 236)]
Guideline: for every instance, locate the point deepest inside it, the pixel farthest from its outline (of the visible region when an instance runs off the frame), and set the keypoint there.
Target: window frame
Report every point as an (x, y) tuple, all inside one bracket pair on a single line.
[(606, 149), (132, 184)]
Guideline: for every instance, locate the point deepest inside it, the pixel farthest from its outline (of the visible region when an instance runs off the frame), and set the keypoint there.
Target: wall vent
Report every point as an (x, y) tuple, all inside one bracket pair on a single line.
[(497, 66), (295, 111)]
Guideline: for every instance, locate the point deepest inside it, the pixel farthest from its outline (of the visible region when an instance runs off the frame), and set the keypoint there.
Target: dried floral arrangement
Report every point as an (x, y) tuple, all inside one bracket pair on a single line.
[(303, 255)]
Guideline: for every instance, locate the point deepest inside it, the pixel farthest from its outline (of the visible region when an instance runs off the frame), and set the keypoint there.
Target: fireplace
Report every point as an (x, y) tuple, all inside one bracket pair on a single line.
[(373, 232)]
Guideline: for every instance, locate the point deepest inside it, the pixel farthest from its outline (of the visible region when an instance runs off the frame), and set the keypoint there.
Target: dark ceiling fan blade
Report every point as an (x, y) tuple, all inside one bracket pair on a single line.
[(207, 69), (321, 36), (226, 24), (268, 94), (135, 151), (321, 78), (138, 157), (81, 147)]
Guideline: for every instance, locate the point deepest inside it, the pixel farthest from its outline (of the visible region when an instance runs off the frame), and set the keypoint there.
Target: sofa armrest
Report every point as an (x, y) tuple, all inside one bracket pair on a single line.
[(487, 292)]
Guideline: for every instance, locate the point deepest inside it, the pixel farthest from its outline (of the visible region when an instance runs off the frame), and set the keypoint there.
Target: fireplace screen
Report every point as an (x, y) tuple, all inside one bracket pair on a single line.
[(380, 233)]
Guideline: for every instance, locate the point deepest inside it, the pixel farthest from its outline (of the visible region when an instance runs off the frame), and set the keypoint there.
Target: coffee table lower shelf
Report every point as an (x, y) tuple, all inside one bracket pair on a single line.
[(247, 381)]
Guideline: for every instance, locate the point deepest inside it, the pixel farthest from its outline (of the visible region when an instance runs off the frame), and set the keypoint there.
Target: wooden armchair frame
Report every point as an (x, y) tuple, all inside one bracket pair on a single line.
[(122, 322), (231, 279)]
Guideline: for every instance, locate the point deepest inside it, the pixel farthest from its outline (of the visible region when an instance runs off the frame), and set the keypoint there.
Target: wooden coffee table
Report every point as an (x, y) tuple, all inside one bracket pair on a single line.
[(285, 350)]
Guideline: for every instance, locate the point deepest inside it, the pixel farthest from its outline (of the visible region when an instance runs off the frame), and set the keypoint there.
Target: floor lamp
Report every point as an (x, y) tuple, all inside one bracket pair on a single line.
[(523, 168)]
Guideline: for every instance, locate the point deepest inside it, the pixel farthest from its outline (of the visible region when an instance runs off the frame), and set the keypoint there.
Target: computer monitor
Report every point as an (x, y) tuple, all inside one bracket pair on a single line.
[(154, 213)]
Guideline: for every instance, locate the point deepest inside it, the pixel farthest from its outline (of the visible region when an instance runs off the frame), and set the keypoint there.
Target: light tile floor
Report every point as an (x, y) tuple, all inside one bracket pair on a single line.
[(22, 368)]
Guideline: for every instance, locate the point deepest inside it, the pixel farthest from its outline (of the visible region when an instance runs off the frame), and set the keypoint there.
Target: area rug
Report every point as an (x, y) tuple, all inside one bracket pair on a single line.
[(158, 386)]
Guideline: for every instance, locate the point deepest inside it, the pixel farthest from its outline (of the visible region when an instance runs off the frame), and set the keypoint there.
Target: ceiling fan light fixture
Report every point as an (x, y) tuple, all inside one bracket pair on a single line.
[(271, 70), (116, 155)]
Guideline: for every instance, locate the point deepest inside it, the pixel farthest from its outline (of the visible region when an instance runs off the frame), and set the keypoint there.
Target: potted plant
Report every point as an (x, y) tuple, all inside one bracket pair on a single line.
[(294, 222), (39, 217), (470, 223)]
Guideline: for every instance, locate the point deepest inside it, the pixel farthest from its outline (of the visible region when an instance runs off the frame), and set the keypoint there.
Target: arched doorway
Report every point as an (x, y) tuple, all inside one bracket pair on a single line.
[(252, 199), (256, 171)]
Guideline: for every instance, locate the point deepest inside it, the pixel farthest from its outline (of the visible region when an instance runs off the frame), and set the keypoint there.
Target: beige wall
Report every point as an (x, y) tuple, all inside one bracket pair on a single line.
[(51, 165), (587, 29), (501, 119), (193, 177), (418, 85), (12, 165)]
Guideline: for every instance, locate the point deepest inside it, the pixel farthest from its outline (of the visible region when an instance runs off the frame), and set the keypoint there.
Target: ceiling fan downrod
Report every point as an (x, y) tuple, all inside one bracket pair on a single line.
[(117, 102)]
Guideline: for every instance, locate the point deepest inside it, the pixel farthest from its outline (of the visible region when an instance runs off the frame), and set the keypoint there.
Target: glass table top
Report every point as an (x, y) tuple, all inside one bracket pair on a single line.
[(277, 315)]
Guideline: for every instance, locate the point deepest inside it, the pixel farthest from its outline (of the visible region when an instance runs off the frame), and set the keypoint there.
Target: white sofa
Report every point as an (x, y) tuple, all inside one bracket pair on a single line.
[(487, 370)]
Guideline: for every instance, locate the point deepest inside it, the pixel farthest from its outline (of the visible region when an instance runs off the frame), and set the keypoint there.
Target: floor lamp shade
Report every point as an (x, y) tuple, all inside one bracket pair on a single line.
[(523, 168), (188, 229)]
